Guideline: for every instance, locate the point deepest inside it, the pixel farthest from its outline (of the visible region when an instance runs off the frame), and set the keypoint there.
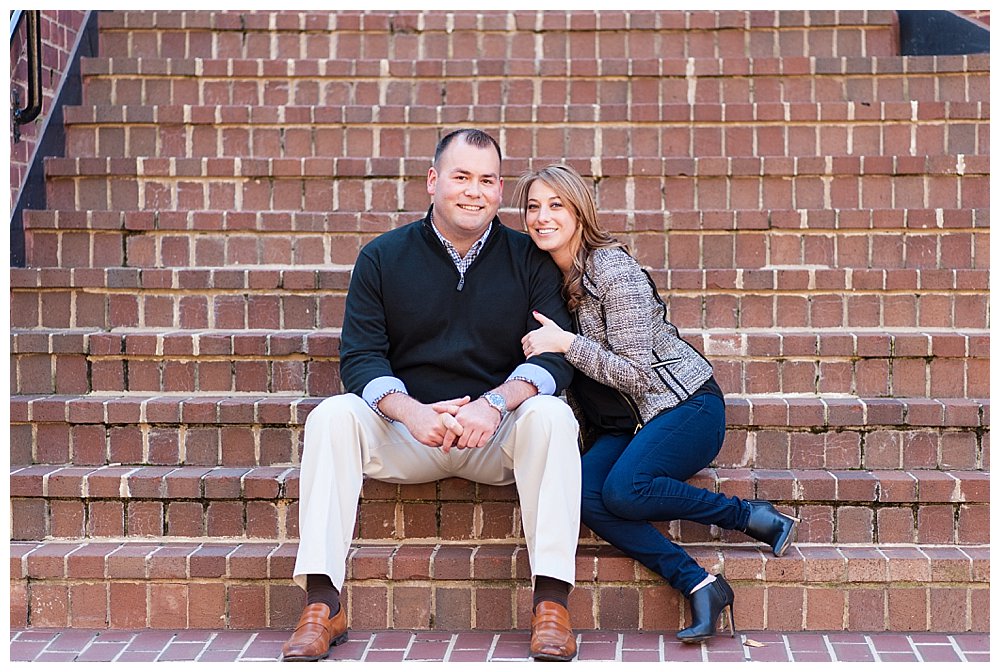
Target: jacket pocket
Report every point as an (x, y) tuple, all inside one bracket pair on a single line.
[(666, 362)]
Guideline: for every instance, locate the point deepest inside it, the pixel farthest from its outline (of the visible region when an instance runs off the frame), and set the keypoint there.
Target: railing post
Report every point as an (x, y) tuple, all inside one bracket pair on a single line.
[(28, 114)]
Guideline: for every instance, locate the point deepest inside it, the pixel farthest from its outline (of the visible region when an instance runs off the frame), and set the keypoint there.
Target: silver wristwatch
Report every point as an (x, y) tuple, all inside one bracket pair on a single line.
[(497, 401)]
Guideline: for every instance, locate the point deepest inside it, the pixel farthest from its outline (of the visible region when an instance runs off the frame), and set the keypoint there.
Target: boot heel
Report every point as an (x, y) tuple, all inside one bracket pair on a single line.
[(732, 622)]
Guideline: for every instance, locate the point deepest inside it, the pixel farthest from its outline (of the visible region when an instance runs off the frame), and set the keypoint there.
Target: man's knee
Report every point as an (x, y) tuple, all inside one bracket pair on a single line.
[(335, 409), (548, 412)]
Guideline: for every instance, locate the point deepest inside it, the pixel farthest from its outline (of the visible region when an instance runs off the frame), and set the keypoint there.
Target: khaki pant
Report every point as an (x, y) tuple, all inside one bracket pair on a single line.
[(535, 447)]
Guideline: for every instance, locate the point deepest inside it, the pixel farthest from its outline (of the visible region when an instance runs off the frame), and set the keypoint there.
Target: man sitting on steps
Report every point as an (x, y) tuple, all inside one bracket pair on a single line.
[(438, 386)]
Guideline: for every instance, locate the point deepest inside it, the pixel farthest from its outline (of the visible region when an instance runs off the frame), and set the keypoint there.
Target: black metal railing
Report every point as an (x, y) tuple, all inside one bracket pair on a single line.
[(27, 114)]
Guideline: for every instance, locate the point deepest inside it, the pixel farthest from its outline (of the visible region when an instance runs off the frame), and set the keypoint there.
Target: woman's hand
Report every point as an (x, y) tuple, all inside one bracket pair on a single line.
[(550, 337)]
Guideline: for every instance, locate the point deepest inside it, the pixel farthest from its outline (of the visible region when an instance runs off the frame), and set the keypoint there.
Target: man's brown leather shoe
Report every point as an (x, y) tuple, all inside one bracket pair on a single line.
[(315, 633), (551, 636)]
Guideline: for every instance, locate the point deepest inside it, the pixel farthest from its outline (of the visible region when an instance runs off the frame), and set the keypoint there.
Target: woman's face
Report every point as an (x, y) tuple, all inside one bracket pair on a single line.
[(550, 222)]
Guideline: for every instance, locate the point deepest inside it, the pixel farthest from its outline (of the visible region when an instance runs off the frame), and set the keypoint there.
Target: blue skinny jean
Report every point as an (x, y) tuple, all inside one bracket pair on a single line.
[(631, 480)]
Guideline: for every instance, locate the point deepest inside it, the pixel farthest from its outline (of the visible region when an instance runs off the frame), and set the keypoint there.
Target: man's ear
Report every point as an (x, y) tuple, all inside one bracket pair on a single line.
[(432, 177)]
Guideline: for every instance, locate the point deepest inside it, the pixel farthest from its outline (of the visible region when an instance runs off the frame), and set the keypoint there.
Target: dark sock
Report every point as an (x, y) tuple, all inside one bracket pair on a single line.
[(552, 590), (319, 588)]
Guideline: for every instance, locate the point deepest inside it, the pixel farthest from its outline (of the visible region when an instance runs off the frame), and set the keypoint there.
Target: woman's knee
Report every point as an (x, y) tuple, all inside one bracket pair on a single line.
[(594, 514), (623, 495)]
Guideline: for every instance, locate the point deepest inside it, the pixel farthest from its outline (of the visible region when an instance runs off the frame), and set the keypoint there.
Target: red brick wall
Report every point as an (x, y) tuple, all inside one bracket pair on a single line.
[(59, 32)]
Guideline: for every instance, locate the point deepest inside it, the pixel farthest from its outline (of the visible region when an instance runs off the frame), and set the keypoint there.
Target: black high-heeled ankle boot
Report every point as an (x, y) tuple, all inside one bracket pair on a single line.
[(707, 604), (769, 525)]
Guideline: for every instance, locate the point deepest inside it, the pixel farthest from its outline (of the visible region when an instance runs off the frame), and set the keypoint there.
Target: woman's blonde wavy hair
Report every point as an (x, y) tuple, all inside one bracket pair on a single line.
[(589, 236)]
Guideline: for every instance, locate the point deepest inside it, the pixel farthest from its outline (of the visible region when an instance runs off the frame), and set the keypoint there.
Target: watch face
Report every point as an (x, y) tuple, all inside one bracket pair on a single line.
[(496, 401)]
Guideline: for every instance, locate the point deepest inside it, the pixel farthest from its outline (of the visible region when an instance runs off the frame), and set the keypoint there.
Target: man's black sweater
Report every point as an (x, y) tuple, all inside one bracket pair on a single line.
[(405, 316)]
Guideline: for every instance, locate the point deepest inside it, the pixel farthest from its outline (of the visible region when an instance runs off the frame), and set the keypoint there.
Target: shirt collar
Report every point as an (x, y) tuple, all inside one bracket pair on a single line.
[(447, 243)]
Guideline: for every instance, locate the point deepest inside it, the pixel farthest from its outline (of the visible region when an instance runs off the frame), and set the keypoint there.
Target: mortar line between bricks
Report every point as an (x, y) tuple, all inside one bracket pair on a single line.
[(788, 648), (958, 649), (246, 646), (83, 648), (164, 649), (916, 651), (124, 648), (368, 646), (208, 643), (493, 646), (871, 647), (830, 649), (45, 648), (451, 647), (660, 646), (618, 647), (409, 645)]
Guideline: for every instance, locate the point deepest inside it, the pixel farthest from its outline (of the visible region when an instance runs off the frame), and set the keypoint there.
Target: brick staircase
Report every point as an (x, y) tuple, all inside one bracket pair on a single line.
[(814, 208)]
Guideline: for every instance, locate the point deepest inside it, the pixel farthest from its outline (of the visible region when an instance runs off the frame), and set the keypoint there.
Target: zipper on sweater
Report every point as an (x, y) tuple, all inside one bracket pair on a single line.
[(666, 362), (635, 411)]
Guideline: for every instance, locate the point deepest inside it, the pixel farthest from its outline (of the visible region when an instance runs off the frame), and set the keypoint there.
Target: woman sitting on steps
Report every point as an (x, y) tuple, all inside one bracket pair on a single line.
[(650, 409)]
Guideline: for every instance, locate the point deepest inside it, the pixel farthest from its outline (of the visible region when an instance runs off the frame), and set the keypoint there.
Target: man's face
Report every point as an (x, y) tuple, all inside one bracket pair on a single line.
[(466, 189)]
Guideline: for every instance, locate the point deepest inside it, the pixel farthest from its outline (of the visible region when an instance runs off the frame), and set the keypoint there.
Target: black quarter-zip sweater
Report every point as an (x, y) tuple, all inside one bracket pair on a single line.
[(405, 316)]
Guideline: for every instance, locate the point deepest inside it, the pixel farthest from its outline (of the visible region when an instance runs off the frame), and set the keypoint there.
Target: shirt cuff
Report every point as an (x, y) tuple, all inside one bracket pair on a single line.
[(379, 388), (536, 375)]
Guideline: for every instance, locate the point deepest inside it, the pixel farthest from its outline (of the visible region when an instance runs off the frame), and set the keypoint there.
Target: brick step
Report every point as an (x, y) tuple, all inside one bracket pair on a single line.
[(277, 297), (745, 239), (356, 185), (734, 130), (245, 585), (834, 432), (427, 83), (676, 113), (273, 361), (862, 362), (467, 35), (206, 503)]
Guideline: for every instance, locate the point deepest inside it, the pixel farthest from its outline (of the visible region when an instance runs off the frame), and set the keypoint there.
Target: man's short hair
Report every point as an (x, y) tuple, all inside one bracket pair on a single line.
[(472, 136)]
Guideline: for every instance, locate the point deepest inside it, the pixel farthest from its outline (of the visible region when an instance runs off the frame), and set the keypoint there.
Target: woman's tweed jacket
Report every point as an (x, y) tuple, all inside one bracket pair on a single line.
[(625, 340)]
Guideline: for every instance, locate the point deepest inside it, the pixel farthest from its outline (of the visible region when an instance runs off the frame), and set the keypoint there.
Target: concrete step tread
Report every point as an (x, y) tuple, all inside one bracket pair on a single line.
[(282, 482), (806, 66), (787, 410), (653, 167), (677, 112), (162, 559), (932, 221)]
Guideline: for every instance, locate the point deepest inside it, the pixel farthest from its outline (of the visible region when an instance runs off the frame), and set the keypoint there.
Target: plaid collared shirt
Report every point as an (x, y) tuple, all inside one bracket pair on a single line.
[(462, 264)]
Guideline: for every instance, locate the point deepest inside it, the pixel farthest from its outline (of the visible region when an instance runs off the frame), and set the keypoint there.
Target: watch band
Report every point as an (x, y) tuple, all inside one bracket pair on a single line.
[(496, 400)]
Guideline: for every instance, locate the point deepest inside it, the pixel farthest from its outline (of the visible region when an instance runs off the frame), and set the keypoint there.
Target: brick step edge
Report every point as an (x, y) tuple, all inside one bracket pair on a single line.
[(659, 67), (748, 411), (883, 506), (648, 169), (337, 277), (291, 115), (492, 21), (752, 343), (801, 221), (282, 483), (487, 587)]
